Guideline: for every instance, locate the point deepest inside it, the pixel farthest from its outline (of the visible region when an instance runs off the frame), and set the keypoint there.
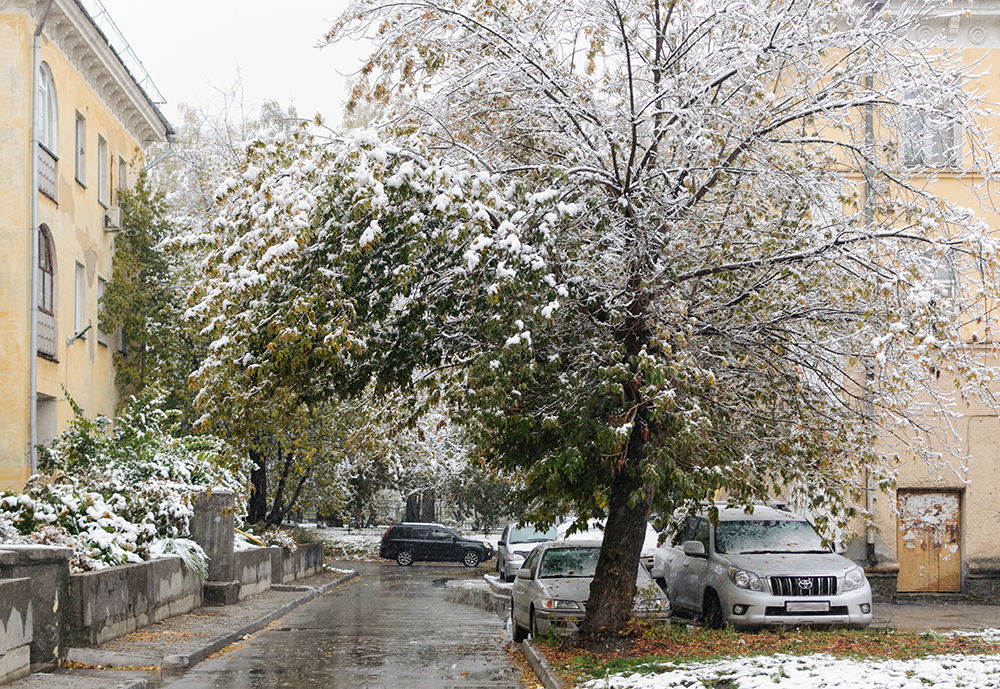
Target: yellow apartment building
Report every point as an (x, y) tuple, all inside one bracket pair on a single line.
[(75, 119), (939, 533)]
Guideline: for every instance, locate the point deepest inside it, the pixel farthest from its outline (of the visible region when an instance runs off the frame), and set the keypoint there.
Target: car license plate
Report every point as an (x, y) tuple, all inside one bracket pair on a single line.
[(807, 606)]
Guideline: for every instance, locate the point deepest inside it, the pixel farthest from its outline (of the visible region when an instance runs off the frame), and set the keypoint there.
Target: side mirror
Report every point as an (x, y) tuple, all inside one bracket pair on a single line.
[(694, 548), (501, 542), (523, 574)]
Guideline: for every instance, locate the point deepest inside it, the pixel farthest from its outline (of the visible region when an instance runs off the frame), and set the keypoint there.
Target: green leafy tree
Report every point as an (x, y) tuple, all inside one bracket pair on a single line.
[(141, 307)]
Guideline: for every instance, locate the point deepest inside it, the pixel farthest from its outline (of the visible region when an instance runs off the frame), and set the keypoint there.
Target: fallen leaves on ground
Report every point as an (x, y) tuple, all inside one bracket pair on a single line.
[(647, 645)]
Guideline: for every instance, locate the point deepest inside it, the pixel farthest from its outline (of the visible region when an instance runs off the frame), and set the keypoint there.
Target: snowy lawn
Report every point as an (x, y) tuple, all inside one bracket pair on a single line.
[(788, 659), (358, 544)]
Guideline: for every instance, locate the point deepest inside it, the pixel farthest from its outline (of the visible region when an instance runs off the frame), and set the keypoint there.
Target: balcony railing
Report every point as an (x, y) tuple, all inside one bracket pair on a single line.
[(48, 171), (46, 333)]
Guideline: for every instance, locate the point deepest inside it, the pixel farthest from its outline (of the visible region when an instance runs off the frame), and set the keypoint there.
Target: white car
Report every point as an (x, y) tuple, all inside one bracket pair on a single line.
[(515, 544), (769, 567), (553, 587), (595, 532)]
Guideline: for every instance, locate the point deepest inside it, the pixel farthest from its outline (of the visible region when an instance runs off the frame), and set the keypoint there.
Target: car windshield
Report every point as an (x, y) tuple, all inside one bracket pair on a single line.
[(569, 562), (529, 534), (768, 536)]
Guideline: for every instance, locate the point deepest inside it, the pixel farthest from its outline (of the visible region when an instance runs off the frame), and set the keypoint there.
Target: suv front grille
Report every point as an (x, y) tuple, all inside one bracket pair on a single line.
[(804, 586)]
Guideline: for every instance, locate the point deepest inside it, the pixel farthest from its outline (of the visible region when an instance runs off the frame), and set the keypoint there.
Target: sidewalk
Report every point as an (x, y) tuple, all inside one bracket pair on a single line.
[(150, 657)]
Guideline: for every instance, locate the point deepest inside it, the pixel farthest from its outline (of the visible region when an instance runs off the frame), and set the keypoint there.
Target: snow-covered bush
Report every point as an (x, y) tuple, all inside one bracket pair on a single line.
[(119, 493)]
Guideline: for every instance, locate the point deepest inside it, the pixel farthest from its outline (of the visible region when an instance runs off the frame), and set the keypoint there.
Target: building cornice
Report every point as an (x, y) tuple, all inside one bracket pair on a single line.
[(73, 31)]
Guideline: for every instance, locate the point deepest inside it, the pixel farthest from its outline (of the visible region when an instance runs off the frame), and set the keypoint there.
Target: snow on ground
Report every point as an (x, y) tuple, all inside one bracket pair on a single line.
[(819, 672)]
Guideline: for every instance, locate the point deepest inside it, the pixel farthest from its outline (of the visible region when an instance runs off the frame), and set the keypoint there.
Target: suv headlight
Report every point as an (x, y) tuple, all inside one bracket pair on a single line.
[(558, 604), (745, 580), (854, 579)]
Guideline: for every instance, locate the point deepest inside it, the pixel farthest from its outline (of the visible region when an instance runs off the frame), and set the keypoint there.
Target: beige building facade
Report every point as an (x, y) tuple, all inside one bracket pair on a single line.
[(939, 532), (74, 122)]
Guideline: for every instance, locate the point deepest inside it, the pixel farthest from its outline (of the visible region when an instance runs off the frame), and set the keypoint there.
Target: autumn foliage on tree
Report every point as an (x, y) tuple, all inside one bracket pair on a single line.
[(644, 251)]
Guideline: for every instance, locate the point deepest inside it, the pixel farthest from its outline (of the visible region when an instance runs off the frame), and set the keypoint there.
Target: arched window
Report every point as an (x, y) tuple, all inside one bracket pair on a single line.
[(46, 272), (47, 115)]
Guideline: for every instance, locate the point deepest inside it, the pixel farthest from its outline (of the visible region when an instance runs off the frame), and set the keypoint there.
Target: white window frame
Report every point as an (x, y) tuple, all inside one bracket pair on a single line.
[(46, 301), (80, 302), (102, 286), (48, 112), (103, 172), (81, 149), (122, 173), (932, 136)]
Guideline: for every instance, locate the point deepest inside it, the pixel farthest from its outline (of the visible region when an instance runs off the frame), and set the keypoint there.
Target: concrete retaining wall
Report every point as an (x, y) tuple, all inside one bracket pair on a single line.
[(252, 568), (259, 569), (112, 602), (306, 561), (48, 569), (15, 629)]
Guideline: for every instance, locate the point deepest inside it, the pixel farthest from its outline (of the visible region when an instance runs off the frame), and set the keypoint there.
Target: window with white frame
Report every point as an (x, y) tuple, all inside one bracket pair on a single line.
[(80, 312), (102, 286), (47, 113), (103, 172), (81, 149), (122, 173), (932, 135), (46, 272)]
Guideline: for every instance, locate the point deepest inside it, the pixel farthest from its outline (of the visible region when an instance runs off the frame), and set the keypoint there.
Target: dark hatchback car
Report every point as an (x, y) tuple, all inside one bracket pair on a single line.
[(410, 541)]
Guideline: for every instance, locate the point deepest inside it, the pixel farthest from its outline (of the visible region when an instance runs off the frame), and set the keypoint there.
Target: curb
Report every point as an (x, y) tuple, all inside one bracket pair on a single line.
[(173, 665), (541, 666)]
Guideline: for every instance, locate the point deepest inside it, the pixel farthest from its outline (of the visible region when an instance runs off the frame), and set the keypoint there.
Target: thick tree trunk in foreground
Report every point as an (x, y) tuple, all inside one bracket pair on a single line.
[(609, 607)]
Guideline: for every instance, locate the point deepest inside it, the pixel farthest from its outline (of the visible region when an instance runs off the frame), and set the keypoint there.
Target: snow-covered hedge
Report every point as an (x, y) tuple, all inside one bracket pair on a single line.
[(119, 493)]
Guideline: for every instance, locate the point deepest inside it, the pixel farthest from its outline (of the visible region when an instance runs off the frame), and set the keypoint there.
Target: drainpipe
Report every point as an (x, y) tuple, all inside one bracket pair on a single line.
[(36, 51), (874, 6)]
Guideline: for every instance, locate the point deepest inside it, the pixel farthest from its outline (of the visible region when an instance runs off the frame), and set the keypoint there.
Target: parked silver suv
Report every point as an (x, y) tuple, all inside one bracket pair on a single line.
[(769, 567)]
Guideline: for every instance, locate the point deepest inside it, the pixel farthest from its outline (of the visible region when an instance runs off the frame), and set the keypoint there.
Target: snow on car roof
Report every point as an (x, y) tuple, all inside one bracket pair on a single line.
[(766, 512)]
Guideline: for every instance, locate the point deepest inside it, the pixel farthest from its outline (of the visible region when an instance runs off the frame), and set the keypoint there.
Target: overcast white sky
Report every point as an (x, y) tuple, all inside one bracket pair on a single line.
[(192, 49)]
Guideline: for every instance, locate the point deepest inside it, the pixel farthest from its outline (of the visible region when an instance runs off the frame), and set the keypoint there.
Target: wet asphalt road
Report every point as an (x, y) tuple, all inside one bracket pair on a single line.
[(390, 627)]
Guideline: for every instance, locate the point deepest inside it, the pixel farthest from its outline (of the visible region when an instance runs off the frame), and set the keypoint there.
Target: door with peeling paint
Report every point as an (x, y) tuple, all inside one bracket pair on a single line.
[(928, 542)]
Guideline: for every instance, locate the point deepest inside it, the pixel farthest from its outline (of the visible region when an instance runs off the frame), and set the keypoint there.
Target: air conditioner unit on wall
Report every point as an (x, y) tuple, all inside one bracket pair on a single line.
[(113, 219)]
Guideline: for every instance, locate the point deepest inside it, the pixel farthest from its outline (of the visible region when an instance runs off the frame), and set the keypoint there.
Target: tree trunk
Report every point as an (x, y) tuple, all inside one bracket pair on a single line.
[(257, 505), (609, 607), (427, 506), (412, 508), (278, 509)]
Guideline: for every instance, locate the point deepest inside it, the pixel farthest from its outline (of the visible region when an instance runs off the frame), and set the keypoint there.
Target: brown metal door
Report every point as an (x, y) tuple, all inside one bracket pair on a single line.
[(928, 542)]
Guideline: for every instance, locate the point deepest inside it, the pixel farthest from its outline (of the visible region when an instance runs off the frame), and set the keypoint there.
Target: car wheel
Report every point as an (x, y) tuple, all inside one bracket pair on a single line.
[(404, 558), (533, 626), (471, 558), (519, 632), (712, 611)]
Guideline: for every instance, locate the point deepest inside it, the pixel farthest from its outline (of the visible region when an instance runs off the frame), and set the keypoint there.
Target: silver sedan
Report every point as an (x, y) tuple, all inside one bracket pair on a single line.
[(552, 589)]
